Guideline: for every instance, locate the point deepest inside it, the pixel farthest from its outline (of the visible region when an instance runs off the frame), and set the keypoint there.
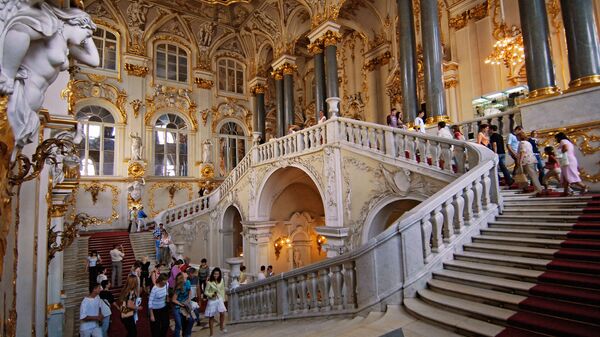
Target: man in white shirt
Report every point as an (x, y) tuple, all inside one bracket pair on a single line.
[(89, 314), (116, 256), (419, 122), (443, 131), (261, 274)]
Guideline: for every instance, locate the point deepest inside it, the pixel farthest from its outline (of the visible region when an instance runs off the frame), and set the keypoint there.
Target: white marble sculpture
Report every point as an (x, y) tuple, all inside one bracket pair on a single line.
[(205, 34), (36, 40), (136, 146), (207, 152), (135, 189)]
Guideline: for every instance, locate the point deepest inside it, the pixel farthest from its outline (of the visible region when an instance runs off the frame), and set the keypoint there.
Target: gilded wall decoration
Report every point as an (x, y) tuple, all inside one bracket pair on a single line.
[(94, 188), (98, 88), (7, 141), (137, 15), (474, 14), (167, 97), (91, 187), (171, 188), (231, 110), (136, 105), (68, 234), (136, 169), (136, 70), (203, 83), (375, 62)]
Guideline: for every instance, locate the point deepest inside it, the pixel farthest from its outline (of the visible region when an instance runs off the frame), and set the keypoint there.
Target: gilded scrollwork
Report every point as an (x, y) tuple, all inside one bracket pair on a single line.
[(171, 188), (167, 97), (92, 187), (97, 88), (68, 234)]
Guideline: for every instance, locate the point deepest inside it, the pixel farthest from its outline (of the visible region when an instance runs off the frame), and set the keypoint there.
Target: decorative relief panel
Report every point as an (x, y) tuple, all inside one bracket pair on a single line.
[(96, 87), (95, 188), (167, 97), (171, 188), (231, 110)]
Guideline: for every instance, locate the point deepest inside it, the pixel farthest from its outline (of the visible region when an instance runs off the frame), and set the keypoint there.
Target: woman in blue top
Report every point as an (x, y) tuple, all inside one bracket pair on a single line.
[(181, 303)]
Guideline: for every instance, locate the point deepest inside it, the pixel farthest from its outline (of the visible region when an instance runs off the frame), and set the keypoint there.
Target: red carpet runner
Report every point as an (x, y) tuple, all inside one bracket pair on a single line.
[(566, 299)]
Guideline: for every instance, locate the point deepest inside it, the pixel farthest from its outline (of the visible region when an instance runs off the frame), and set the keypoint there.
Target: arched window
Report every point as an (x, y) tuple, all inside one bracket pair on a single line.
[(232, 146), (231, 76), (106, 43), (171, 63), (97, 149), (170, 146)]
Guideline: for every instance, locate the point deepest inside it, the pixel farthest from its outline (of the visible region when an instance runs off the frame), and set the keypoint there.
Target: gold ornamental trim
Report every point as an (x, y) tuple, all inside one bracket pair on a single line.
[(474, 14), (258, 89), (203, 83), (207, 171), (7, 143), (331, 38), (277, 74), (315, 47), (136, 70), (54, 307), (136, 170), (58, 211), (288, 68), (541, 93), (171, 188), (114, 202), (136, 105), (373, 63), (584, 83)]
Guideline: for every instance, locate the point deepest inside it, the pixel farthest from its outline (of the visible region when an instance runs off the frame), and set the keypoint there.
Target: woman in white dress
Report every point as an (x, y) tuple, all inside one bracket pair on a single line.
[(215, 291)]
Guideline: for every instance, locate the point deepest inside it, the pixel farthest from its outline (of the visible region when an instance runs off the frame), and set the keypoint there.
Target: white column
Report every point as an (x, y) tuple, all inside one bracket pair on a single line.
[(256, 244), (56, 310)]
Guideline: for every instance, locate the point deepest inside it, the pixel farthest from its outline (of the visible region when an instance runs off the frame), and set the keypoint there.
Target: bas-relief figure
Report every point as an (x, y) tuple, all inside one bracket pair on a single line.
[(36, 40), (135, 189), (136, 146), (205, 34)]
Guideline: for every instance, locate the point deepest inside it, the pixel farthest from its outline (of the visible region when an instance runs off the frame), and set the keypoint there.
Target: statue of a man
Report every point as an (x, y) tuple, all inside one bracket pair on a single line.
[(46, 37), (135, 189), (136, 146), (207, 152)]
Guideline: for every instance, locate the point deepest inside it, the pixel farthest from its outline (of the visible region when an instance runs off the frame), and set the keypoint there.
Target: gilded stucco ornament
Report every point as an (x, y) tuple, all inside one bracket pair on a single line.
[(136, 70), (168, 97), (172, 189), (136, 105), (136, 169), (203, 83), (58, 241)]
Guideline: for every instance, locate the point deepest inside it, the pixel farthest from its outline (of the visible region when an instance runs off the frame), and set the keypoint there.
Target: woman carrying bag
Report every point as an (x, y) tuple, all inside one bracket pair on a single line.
[(569, 170), (215, 291), (129, 306)]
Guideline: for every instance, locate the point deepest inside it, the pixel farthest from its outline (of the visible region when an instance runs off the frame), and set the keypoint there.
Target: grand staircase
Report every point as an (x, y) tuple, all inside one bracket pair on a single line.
[(534, 271), (143, 245)]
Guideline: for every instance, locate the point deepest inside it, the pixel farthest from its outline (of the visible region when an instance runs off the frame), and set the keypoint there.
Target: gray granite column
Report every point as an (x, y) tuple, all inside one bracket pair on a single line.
[(288, 95), (320, 94), (260, 111), (538, 60), (330, 42), (408, 63), (432, 57), (582, 42), (280, 107)]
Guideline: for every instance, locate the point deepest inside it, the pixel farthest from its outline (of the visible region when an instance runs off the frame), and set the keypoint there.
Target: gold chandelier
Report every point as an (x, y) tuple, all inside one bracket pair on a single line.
[(508, 50)]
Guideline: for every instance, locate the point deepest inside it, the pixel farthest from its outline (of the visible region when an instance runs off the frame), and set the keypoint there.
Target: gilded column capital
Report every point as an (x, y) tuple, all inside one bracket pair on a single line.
[(203, 83), (288, 68), (277, 74), (136, 70), (57, 211), (331, 38), (258, 89), (315, 47)]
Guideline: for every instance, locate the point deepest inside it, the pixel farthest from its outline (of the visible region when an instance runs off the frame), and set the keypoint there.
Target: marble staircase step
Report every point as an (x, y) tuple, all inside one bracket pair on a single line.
[(494, 270), (391, 320), (537, 218), (566, 226), (450, 320), (549, 204), (518, 241), (531, 197), (487, 296), (531, 233), (543, 253), (541, 211), (505, 260), (484, 281)]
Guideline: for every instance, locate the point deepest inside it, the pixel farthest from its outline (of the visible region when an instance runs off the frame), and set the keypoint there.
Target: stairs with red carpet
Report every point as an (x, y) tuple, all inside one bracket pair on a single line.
[(103, 242), (534, 271)]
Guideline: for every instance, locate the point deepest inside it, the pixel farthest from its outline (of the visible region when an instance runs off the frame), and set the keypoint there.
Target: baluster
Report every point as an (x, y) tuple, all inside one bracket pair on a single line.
[(306, 138), (349, 290), (372, 132), (410, 147), (380, 140), (459, 203), (468, 210), (337, 284), (477, 190), (313, 286), (459, 157), (274, 299), (511, 122), (487, 186), (426, 228), (324, 285), (435, 153), (364, 136), (303, 305), (357, 135), (399, 144), (292, 294), (252, 303), (446, 156), (448, 212), (311, 139), (437, 222), (418, 153)]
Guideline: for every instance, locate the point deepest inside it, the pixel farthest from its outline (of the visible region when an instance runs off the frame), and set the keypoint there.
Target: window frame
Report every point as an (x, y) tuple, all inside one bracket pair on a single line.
[(178, 132), (226, 137), (102, 71), (86, 124), (186, 53), (235, 69)]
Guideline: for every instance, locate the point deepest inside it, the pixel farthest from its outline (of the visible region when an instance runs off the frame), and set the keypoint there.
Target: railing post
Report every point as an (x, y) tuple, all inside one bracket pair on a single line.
[(437, 221), (313, 288), (459, 204), (292, 299), (426, 237), (390, 143), (337, 284), (333, 131), (324, 287), (448, 229), (349, 278), (282, 299)]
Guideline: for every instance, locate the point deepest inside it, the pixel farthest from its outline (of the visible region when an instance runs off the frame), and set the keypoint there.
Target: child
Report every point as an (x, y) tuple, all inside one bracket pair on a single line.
[(552, 166)]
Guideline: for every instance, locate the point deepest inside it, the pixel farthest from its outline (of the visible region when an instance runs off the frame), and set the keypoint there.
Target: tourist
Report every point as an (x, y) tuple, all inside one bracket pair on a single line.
[(133, 214), (527, 162), (155, 274), (262, 274), (165, 248), (136, 270), (181, 306), (419, 122), (322, 117), (569, 172), (215, 291), (195, 291), (141, 219), (203, 272), (130, 305), (145, 274), (513, 146), (443, 130), (157, 306), (483, 135), (458, 152), (270, 271), (102, 274), (243, 276), (553, 167), (186, 264), (175, 270), (89, 313), (91, 264), (497, 143), (116, 257), (392, 118), (536, 151), (107, 300), (157, 234)]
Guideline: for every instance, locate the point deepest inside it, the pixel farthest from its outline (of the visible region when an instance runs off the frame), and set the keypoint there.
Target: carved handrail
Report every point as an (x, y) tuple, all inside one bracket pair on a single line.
[(431, 229), (307, 139), (505, 121)]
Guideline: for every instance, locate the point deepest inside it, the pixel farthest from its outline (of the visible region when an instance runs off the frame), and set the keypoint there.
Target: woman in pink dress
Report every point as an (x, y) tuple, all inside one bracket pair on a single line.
[(568, 165)]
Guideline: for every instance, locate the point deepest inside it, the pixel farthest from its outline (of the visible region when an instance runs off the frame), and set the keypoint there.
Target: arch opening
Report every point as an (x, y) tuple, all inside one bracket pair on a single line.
[(233, 244), (387, 215)]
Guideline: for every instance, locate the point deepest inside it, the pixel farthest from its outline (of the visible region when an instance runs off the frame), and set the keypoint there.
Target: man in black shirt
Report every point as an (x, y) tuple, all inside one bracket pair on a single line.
[(497, 143)]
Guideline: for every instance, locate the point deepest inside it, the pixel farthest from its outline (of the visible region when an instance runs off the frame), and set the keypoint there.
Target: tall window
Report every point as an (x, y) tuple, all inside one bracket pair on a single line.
[(170, 146), (231, 76), (232, 144), (171, 63), (106, 43), (97, 149)]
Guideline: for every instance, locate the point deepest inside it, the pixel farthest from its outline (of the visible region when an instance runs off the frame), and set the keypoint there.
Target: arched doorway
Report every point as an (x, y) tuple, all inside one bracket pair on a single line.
[(233, 244), (292, 201), (387, 215)]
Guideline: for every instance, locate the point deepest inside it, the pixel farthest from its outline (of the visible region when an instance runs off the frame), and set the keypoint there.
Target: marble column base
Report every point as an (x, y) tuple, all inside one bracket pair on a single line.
[(584, 82), (55, 322)]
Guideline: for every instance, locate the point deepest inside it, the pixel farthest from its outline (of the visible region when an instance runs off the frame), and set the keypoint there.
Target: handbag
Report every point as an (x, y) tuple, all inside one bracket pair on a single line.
[(563, 159), (521, 178)]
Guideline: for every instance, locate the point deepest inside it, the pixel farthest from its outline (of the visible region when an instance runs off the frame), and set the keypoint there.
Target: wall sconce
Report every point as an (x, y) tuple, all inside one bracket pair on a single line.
[(280, 243), (321, 240)]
